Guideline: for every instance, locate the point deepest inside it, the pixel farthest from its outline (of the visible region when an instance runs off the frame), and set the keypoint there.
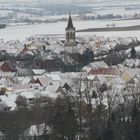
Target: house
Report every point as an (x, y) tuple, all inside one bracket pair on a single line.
[(35, 45), (135, 79), (99, 80), (64, 90), (25, 53), (43, 81), (20, 87), (24, 50), (29, 96), (54, 76), (24, 72), (13, 47), (6, 82), (8, 66), (129, 73), (52, 90), (105, 71), (61, 90), (117, 81), (39, 71), (7, 74), (95, 65)]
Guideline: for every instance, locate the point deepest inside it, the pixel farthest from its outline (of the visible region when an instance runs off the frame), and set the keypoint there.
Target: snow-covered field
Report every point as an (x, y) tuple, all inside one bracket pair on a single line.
[(24, 31)]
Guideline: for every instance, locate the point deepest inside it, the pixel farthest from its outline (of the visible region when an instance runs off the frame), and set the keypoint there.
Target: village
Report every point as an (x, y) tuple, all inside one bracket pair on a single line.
[(79, 74)]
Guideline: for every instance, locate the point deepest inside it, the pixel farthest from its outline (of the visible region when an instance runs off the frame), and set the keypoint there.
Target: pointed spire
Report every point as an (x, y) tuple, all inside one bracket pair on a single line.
[(70, 24)]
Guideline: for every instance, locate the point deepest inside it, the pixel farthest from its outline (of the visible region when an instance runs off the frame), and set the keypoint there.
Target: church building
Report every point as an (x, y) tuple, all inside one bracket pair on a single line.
[(70, 41)]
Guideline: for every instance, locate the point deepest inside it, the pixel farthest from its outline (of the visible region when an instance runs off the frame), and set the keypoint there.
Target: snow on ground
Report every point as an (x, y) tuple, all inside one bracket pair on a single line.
[(119, 34), (22, 32)]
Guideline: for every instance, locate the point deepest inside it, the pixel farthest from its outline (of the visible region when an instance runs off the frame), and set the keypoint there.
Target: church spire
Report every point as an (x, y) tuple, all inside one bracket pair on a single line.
[(70, 23), (70, 43)]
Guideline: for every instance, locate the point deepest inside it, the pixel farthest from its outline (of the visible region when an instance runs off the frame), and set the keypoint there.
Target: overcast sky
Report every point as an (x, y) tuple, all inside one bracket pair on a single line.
[(64, 1), (50, 0)]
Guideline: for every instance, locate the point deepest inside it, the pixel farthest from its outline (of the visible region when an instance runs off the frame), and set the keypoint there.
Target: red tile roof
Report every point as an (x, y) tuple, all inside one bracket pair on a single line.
[(105, 71)]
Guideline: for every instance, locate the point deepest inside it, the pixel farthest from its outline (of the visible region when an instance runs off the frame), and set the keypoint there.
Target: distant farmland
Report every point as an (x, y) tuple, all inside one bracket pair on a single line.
[(110, 29)]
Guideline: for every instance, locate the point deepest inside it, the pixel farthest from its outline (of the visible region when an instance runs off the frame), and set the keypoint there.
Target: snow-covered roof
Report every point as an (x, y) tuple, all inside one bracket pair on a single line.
[(101, 78), (44, 81), (27, 95), (35, 45), (54, 77), (23, 80), (24, 72), (6, 82), (98, 64), (50, 94), (26, 81), (20, 87), (12, 47), (131, 71), (38, 71), (53, 86)]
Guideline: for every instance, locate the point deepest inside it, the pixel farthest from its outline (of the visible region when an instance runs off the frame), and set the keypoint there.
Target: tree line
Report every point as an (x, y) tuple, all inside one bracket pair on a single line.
[(77, 114)]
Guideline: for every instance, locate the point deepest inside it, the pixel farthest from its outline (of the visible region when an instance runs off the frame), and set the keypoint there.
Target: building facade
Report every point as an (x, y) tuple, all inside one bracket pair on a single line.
[(70, 39)]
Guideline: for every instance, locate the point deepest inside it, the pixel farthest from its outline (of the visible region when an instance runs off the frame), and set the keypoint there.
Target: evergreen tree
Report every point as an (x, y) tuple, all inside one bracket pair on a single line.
[(88, 56), (133, 53)]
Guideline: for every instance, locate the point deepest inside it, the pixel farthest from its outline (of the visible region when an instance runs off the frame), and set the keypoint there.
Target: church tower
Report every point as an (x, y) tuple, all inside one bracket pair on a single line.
[(70, 41)]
